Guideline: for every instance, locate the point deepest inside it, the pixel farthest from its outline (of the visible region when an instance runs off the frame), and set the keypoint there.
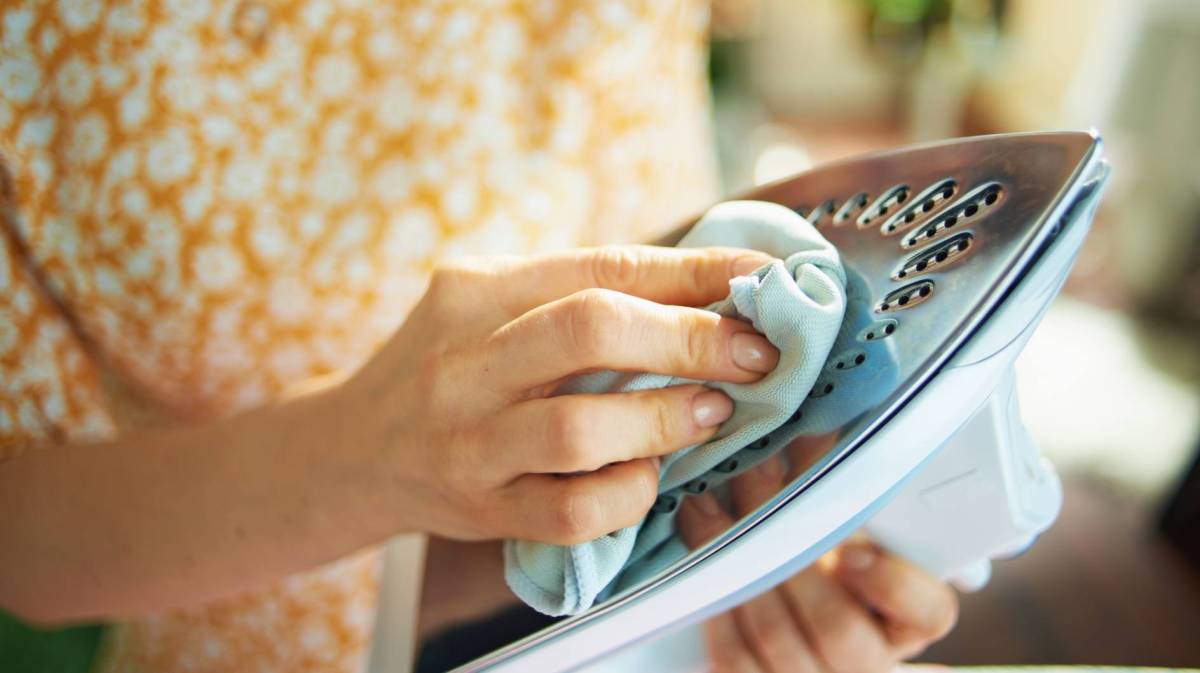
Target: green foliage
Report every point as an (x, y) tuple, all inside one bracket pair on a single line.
[(908, 11), (24, 649)]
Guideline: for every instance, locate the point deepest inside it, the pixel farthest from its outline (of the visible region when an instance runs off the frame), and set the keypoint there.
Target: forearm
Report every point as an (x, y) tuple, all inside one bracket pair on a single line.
[(178, 517)]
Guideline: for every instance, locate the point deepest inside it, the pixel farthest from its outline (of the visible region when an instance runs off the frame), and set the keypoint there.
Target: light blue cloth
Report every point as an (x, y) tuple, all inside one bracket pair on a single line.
[(798, 304)]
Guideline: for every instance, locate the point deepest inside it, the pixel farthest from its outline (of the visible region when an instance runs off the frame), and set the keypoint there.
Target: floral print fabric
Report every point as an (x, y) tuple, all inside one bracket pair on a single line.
[(212, 200)]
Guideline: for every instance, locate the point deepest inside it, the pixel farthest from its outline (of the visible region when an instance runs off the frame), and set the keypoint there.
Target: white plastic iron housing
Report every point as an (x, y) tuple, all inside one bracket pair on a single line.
[(987, 493)]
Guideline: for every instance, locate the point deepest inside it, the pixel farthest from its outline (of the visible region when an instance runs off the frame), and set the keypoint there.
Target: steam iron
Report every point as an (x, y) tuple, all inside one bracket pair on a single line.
[(954, 252)]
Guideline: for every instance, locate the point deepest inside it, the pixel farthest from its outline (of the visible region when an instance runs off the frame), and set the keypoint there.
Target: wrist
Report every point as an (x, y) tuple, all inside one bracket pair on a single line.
[(369, 451), (342, 471)]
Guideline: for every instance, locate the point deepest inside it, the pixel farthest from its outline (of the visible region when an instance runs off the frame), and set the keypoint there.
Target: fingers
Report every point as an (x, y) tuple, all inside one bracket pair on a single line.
[(700, 519), (772, 634), (760, 635), (811, 622), (596, 329), (843, 633), (680, 276), (579, 433), (828, 624), (569, 510), (917, 608), (727, 651)]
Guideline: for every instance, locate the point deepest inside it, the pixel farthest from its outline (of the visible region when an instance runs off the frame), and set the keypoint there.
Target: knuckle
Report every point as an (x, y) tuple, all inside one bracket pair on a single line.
[(695, 344), (663, 422), (616, 266), (591, 318), (709, 269), (644, 490), (577, 516), (463, 275), (447, 276), (569, 428)]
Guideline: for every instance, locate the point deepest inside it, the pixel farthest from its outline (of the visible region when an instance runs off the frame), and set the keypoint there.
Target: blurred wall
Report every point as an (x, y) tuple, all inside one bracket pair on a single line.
[(1061, 64)]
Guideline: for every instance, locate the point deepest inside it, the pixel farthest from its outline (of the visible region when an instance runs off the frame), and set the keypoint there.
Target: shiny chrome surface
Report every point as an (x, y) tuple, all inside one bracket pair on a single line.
[(933, 238)]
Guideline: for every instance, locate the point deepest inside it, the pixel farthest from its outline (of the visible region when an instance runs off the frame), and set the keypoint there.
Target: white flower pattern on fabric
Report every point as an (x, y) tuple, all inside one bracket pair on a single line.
[(230, 196), (20, 78)]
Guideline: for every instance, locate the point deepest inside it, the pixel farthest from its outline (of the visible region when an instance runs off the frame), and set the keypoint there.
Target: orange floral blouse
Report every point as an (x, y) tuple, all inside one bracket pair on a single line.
[(211, 200)]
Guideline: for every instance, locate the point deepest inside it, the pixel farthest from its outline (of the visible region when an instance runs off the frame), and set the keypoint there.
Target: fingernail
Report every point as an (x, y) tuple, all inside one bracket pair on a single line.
[(754, 353), (748, 264), (706, 503), (710, 408), (858, 557)]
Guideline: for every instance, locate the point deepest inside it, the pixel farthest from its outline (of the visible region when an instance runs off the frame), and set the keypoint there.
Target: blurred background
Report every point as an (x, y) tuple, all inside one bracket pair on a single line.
[(1110, 385)]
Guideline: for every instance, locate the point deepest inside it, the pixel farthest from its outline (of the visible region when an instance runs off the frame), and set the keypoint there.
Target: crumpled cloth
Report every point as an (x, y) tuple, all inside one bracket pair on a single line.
[(798, 303)]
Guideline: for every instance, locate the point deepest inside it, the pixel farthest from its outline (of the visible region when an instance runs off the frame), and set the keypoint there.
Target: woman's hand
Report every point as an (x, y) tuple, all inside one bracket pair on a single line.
[(459, 406), (451, 429), (857, 610)]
